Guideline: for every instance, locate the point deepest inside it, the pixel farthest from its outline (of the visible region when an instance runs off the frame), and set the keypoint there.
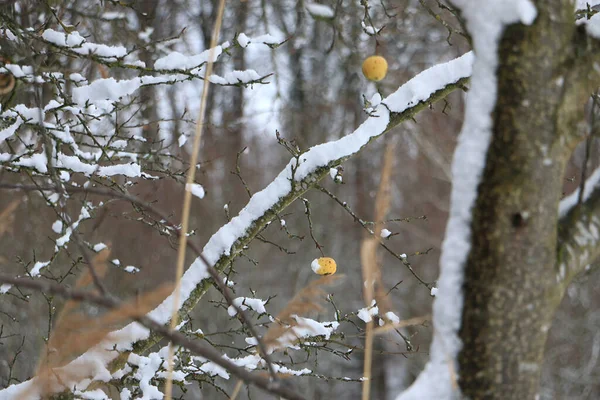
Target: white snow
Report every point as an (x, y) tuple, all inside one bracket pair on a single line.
[(125, 394), (77, 43), (366, 314), (368, 28), (280, 369), (213, 369), (335, 175), (486, 21), (249, 362), (57, 226), (147, 368), (19, 71), (323, 155), (196, 189), (182, 139), (96, 394), (36, 161), (37, 267), (320, 10), (308, 327), (385, 233), (244, 303), (305, 328), (571, 200), (64, 239), (76, 77), (429, 81), (178, 61), (105, 89), (10, 130), (235, 77), (243, 40), (99, 247), (375, 100), (314, 265), (390, 316), (592, 26), (74, 164), (582, 4)]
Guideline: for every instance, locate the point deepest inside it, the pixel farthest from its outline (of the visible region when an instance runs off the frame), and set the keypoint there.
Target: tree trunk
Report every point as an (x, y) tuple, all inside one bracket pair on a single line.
[(512, 282)]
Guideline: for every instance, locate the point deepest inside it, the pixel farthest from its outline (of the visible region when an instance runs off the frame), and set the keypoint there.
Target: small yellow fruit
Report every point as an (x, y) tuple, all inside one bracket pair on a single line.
[(375, 68), (324, 266)]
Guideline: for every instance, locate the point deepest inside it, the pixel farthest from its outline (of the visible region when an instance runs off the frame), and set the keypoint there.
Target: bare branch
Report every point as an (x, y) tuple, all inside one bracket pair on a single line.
[(278, 388)]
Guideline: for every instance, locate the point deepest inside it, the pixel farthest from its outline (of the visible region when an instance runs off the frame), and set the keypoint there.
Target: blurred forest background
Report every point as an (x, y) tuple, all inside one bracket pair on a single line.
[(316, 93)]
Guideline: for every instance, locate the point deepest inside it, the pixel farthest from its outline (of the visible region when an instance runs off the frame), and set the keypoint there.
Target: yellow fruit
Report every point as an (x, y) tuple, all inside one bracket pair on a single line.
[(375, 68), (324, 266)]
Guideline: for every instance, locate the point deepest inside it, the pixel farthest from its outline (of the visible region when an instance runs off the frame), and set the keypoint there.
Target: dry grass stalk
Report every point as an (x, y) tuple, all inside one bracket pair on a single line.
[(7, 216), (368, 256), (187, 199), (383, 202), (236, 390), (373, 288), (75, 332), (309, 299)]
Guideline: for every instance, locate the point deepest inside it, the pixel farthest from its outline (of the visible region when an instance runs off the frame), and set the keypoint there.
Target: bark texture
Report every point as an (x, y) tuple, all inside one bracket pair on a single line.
[(512, 283)]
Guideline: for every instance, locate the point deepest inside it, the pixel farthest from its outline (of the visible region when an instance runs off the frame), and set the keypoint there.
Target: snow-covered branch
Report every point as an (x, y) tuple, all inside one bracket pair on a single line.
[(300, 174), (485, 22), (579, 230), (87, 367)]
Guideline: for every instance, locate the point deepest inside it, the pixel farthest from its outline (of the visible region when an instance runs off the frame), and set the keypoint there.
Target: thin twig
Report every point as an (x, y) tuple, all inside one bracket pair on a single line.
[(381, 243), (241, 314), (109, 302), (438, 18), (310, 226), (48, 145)]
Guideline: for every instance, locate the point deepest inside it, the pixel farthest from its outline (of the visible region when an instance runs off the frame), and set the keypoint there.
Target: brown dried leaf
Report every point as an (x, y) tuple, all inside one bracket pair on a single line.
[(7, 216), (75, 332), (100, 266), (137, 307)]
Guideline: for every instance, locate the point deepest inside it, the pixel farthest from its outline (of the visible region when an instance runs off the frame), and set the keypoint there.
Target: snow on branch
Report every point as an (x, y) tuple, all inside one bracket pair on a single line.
[(306, 169), (80, 45), (568, 203), (485, 22), (579, 230), (77, 129), (186, 66), (301, 173)]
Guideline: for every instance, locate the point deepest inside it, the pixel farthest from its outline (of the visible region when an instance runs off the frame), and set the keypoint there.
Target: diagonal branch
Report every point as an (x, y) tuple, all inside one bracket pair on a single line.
[(302, 173), (177, 338), (214, 274), (579, 230)]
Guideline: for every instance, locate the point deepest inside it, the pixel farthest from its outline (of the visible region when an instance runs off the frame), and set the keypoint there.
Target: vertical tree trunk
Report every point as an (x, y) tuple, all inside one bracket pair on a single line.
[(511, 288), (147, 19)]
